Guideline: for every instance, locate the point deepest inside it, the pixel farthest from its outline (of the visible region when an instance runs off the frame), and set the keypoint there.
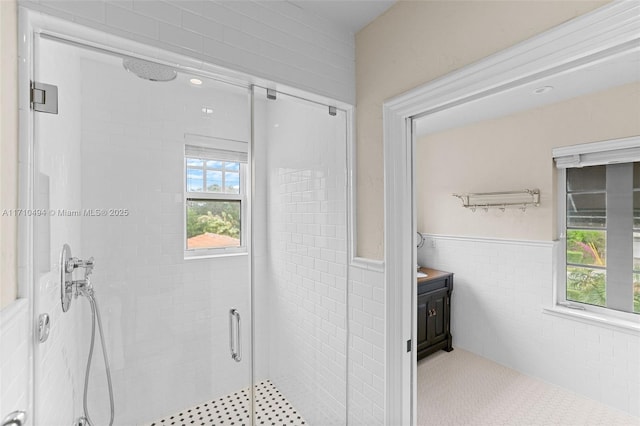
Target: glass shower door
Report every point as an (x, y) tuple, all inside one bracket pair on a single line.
[(299, 260), (149, 178)]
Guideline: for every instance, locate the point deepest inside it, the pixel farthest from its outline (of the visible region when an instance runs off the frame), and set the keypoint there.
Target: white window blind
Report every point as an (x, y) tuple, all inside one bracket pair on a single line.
[(205, 147), (596, 153)]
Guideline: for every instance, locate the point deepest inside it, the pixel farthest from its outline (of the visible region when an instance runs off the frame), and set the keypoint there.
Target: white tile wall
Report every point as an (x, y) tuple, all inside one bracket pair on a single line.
[(302, 255), (366, 344), (273, 40), (500, 290), (14, 357)]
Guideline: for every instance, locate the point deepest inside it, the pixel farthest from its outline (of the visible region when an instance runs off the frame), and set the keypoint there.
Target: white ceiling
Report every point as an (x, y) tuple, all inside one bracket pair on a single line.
[(606, 74), (350, 15)]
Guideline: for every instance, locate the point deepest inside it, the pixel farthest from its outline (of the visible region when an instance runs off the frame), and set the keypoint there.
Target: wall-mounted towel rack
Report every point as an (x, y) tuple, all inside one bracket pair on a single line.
[(500, 200)]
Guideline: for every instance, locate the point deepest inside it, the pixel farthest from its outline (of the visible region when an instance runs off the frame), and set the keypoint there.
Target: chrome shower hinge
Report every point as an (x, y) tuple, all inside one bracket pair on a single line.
[(44, 97)]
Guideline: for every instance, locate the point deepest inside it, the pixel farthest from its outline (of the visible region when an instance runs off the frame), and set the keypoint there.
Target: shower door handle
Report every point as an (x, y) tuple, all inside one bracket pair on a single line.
[(234, 343)]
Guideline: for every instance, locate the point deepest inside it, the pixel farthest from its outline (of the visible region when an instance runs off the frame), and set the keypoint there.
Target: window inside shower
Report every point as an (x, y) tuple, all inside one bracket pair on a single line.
[(215, 197)]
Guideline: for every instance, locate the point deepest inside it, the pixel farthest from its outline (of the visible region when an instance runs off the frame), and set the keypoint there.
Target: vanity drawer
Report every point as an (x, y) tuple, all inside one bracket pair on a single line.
[(434, 284)]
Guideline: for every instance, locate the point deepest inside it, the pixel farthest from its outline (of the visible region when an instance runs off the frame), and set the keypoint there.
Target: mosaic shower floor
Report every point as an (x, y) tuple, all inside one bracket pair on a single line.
[(272, 409)]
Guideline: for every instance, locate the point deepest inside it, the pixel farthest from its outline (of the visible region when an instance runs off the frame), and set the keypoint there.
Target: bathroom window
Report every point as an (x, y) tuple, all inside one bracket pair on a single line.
[(600, 217), (215, 198)]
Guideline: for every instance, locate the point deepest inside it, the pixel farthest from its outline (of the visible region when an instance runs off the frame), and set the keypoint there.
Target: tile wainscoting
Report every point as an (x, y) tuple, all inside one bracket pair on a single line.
[(366, 343), (14, 355)]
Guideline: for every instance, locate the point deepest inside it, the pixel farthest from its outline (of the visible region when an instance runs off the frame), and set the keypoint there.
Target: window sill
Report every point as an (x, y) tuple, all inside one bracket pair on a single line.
[(616, 324), (213, 256)]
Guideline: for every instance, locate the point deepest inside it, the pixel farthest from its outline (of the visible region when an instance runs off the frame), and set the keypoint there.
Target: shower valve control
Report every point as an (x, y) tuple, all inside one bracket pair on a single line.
[(69, 286), (75, 263)]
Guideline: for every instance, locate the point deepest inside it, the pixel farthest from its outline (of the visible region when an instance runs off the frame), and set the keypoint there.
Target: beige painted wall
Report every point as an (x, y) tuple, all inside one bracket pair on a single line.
[(512, 153), (413, 43), (8, 149)]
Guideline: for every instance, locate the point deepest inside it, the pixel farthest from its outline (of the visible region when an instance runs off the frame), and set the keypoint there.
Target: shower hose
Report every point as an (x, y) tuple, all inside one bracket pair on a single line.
[(95, 313)]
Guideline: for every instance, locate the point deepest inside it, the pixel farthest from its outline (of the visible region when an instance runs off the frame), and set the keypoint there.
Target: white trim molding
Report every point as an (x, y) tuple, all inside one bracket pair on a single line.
[(597, 36), (531, 243), (368, 264), (591, 318)]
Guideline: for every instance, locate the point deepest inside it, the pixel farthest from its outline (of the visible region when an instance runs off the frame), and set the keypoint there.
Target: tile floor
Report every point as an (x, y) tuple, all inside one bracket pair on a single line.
[(461, 388), (271, 408)]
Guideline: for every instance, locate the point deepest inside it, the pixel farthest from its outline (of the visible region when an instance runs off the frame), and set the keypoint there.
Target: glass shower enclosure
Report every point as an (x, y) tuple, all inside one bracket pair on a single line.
[(300, 254), (216, 217)]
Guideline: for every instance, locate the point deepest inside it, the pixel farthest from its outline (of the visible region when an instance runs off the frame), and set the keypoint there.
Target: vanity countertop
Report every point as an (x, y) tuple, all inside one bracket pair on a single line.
[(431, 274)]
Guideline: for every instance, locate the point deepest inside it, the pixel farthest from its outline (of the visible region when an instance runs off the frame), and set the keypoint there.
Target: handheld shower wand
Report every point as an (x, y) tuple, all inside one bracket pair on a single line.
[(68, 288)]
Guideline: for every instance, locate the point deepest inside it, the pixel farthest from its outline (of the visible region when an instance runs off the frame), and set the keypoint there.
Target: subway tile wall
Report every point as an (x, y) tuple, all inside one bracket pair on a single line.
[(366, 344), (500, 290), (273, 40), (302, 255), (14, 357)]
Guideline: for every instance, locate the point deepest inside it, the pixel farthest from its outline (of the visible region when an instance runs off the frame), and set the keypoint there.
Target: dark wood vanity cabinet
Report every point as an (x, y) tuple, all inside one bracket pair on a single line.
[(434, 312)]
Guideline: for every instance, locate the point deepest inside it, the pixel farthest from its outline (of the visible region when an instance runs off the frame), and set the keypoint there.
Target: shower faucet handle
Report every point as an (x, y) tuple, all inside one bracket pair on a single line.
[(85, 263), (88, 264), (75, 263)]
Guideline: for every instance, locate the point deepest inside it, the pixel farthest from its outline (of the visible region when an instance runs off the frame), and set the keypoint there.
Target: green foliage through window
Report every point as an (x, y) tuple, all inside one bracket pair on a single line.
[(636, 293), (586, 247), (586, 285), (213, 217)]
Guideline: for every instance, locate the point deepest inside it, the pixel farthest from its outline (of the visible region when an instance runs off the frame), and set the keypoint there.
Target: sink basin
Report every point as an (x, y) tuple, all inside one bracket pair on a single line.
[(421, 275)]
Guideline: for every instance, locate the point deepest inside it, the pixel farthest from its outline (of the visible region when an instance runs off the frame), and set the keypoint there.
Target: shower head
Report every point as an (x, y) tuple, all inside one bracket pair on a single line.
[(149, 70)]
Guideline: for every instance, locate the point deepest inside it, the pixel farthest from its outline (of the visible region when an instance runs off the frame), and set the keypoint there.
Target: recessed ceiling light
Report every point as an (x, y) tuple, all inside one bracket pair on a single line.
[(195, 81), (543, 89)]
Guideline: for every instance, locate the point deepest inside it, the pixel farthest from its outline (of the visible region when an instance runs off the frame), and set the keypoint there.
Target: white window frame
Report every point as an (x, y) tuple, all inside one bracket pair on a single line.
[(236, 152), (590, 154)]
